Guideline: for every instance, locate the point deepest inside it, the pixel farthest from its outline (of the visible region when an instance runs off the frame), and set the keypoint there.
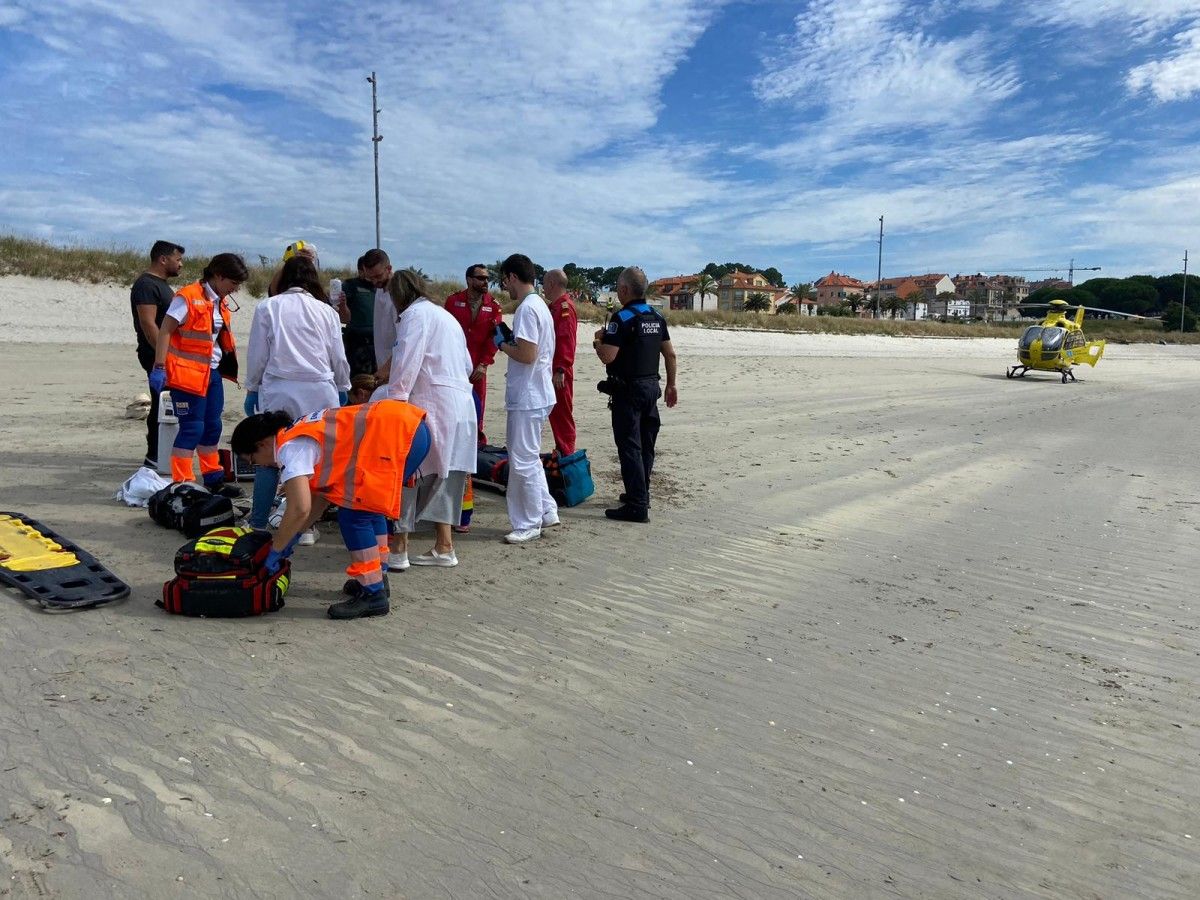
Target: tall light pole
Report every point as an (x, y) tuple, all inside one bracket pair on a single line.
[(1183, 302), (879, 270), (376, 137)]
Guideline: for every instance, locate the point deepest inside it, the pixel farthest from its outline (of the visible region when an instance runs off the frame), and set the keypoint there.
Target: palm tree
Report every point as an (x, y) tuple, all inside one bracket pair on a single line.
[(494, 273), (579, 286), (704, 285), (757, 302), (801, 291), (854, 302)]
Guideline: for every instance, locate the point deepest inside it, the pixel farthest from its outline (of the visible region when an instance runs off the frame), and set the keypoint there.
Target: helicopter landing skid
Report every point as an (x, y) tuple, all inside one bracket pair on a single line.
[(1016, 371), (1067, 375)]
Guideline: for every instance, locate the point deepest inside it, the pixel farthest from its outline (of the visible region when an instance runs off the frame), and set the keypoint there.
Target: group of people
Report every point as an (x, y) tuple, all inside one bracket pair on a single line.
[(354, 392)]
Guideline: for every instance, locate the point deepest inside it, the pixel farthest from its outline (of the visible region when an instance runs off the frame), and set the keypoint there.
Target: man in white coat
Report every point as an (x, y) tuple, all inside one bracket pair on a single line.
[(528, 398), (430, 368)]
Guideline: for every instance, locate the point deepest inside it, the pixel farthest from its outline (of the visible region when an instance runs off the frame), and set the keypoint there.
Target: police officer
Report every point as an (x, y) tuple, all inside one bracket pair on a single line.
[(629, 346)]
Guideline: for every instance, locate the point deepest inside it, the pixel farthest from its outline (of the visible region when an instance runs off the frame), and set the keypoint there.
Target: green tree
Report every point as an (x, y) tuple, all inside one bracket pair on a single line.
[(704, 285), (911, 299), (1170, 318), (578, 285), (801, 290), (608, 278), (787, 308), (892, 305), (854, 302), (1170, 289), (757, 302), (774, 277)]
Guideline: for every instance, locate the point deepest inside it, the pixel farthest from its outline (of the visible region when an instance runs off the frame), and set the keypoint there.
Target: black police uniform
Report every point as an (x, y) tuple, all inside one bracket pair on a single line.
[(638, 332)]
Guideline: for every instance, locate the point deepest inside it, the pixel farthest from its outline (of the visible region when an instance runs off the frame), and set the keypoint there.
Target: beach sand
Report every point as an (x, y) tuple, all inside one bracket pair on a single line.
[(899, 627)]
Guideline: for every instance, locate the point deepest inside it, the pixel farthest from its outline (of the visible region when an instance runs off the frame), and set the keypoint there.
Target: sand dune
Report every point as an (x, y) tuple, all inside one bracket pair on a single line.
[(899, 627)]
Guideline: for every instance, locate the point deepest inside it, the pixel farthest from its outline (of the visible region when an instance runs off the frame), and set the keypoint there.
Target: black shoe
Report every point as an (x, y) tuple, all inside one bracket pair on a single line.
[(352, 588), (624, 501), (232, 491), (626, 513), (361, 606)]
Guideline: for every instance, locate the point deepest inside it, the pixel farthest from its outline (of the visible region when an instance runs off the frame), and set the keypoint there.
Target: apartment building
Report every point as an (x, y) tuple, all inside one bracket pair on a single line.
[(735, 288), (835, 287)]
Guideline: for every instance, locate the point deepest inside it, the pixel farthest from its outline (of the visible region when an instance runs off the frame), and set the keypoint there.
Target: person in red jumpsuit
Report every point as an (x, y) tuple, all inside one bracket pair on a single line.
[(478, 312), (562, 310)]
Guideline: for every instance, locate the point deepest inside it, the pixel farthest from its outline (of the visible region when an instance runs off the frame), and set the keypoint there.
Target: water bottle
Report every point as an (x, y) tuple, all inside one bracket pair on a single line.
[(168, 429), (335, 292)]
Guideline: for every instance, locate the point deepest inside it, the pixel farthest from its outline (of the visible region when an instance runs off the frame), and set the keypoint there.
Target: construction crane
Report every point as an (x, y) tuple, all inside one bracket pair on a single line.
[(1071, 270)]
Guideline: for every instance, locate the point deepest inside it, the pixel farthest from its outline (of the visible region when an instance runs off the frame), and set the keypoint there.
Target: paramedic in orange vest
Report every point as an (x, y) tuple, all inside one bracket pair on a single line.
[(566, 322), (478, 312), (357, 457), (195, 349)]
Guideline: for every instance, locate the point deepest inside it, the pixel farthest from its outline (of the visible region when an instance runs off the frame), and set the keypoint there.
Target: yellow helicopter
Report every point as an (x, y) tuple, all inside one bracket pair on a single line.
[(1058, 343)]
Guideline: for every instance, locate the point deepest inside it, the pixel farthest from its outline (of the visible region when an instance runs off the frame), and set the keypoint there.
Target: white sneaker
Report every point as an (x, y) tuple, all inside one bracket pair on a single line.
[(397, 562), (551, 520), (310, 537), (523, 536), (433, 558)]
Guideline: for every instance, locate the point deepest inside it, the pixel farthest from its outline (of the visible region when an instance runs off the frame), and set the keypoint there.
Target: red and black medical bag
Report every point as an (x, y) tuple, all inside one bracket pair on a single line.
[(222, 574)]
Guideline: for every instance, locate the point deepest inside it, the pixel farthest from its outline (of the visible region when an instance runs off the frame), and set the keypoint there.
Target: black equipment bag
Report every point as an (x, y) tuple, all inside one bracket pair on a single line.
[(190, 508), (221, 574)]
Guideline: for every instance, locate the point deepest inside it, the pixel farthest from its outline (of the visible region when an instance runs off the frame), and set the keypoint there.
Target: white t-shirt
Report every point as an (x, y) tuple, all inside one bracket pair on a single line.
[(178, 311), (530, 385), (298, 458)]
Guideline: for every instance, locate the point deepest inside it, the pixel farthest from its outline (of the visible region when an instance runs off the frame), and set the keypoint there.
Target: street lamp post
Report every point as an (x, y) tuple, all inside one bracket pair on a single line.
[(1183, 301), (879, 269), (376, 137)]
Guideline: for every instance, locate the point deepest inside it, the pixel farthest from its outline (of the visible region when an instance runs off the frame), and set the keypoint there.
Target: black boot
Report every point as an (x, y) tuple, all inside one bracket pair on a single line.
[(361, 605), (351, 588), (624, 500), (627, 513), (232, 491)]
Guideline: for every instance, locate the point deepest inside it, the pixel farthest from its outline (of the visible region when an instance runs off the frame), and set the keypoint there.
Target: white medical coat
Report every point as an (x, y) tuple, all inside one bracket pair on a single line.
[(295, 358), (430, 369)]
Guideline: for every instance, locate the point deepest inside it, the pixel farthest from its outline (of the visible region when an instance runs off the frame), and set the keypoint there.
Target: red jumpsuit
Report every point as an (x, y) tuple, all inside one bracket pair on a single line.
[(480, 331), (562, 417)]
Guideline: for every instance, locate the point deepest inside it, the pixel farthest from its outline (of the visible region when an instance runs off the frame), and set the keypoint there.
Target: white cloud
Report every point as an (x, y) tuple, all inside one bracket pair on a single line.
[(1175, 77), (865, 65)]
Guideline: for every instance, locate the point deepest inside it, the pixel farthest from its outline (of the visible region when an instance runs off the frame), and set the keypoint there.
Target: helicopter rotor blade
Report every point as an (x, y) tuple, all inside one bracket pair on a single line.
[(1072, 308)]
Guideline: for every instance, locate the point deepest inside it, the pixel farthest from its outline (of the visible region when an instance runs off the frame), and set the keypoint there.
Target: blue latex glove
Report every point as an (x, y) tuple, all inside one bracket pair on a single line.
[(286, 552), (498, 337), (343, 398), (158, 380), (274, 561), (250, 403)]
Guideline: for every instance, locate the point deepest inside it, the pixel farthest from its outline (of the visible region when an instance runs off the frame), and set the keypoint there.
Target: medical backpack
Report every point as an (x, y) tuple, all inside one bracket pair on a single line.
[(190, 508), (222, 574)]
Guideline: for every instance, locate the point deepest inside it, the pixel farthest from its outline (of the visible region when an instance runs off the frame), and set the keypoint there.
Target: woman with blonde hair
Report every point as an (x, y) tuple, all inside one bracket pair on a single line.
[(430, 368)]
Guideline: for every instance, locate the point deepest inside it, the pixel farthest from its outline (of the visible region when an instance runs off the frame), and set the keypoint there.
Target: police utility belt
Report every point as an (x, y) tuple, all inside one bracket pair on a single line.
[(617, 386)]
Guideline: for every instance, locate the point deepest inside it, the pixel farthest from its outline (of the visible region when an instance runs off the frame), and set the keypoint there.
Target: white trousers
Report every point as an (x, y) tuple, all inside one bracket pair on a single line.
[(529, 499)]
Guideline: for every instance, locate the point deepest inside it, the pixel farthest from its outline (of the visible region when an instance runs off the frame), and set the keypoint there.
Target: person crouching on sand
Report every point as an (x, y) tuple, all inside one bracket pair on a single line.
[(357, 457)]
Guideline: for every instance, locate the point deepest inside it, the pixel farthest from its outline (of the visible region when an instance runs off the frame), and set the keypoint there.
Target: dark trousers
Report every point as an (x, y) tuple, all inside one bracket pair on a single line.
[(360, 352), (635, 425), (146, 360)]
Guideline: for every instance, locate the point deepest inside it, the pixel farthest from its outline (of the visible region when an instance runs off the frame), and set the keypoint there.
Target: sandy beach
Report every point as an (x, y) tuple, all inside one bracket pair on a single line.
[(899, 627)]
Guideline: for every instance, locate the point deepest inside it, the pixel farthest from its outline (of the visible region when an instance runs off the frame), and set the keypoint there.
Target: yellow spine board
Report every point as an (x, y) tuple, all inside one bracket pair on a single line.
[(25, 549)]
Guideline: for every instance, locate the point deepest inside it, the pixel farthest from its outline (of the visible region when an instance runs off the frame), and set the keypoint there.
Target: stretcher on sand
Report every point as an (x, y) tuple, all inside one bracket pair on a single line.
[(51, 570)]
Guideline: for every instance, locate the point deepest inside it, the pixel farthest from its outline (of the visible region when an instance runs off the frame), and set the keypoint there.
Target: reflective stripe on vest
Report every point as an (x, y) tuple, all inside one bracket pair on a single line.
[(189, 352), (363, 451)]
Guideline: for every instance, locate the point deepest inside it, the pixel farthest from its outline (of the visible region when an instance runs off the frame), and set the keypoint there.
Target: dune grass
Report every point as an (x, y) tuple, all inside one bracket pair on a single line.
[(122, 265)]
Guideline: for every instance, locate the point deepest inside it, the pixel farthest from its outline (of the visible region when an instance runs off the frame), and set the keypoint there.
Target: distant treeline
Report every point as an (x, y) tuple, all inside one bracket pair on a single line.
[(1141, 295)]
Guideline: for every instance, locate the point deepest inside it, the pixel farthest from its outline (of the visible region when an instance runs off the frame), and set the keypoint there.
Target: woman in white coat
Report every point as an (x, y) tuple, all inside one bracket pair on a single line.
[(430, 368), (295, 363)]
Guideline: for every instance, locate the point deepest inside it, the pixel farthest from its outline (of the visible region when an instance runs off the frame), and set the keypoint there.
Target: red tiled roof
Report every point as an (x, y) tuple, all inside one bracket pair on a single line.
[(836, 279)]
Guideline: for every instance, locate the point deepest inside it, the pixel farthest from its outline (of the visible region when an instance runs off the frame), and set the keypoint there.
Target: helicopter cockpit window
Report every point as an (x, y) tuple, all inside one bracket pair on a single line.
[(1032, 333), (1052, 338)]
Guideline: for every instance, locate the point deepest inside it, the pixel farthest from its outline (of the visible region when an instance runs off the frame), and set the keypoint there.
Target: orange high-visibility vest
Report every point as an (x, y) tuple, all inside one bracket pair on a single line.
[(363, 449), (189, 354)]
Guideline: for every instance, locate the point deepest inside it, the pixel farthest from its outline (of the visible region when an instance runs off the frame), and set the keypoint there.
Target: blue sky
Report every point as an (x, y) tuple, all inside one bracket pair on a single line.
[(990, 135)]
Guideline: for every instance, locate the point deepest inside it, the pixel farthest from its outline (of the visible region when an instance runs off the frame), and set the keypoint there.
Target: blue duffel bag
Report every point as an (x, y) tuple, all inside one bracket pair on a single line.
[(570, 478)]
